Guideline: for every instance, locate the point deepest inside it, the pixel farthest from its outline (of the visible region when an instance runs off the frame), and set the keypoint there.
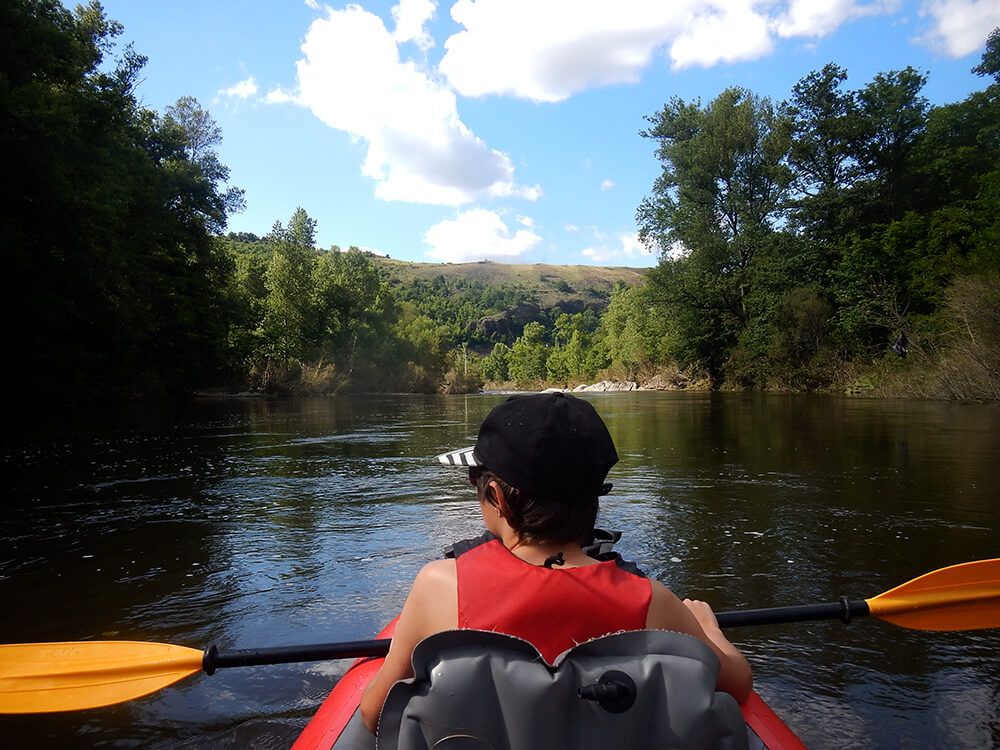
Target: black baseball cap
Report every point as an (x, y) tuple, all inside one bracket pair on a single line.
[(550, 446)]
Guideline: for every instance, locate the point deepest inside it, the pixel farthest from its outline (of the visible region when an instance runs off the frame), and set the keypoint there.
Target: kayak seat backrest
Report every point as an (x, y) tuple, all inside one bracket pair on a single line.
[(475, 690)]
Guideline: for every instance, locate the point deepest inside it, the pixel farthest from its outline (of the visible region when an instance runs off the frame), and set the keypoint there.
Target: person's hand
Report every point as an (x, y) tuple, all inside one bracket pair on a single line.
[(735, 676), (703, 613)]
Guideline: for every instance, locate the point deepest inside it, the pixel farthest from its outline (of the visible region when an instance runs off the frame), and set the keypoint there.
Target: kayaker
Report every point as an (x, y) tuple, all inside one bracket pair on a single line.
[(539, 466)]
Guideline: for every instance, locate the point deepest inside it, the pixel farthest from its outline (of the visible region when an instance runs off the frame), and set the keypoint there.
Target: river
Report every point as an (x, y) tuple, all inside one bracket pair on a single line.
[(253, 523)]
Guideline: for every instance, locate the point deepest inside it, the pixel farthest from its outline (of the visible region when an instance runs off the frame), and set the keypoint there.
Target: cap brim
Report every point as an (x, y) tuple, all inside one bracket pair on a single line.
[(460, 457)]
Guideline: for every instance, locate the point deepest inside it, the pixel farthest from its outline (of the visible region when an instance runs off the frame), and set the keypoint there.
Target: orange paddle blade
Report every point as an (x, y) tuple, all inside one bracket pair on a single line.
[(42, 677), (960, 597)]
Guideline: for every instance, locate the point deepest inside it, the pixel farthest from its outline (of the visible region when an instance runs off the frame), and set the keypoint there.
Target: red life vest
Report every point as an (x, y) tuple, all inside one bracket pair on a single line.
[(551, 608)]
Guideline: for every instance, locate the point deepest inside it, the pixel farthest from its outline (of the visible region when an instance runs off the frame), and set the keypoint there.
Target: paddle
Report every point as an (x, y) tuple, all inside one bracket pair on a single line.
[(42, 677)]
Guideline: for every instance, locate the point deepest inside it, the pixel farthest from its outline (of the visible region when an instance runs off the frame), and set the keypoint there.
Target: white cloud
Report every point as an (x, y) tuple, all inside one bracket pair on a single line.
[(548, 51), (631, 245), (410, 17), (734, 32), (526, 221), (418, 149), (529, 193), (818, 18), (607, 184), (960, 27), (571, 228), (677, 250), (477, 234), (278, 95), (242, 90), (625, 248)]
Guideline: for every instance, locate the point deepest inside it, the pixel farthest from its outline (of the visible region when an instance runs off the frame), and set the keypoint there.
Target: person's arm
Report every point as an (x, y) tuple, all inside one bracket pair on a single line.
[(667, 612), (431, 606)]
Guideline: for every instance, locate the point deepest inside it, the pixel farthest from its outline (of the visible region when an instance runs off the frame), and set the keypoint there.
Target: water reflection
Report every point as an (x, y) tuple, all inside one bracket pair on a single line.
[(254, 523)]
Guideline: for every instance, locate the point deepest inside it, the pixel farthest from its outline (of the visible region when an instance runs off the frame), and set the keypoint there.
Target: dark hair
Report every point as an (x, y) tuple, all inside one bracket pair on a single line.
[(537, 521)]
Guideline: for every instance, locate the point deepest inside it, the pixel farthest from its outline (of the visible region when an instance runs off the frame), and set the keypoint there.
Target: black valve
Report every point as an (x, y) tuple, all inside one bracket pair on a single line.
[(614, 691)]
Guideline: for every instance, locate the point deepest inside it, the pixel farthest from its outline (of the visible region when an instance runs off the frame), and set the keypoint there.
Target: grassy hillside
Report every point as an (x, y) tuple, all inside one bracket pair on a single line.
[(551, 284)]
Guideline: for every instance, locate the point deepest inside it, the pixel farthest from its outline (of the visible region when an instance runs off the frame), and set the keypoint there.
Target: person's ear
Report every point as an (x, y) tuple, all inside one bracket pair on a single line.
[(490, 493), (499, 499)]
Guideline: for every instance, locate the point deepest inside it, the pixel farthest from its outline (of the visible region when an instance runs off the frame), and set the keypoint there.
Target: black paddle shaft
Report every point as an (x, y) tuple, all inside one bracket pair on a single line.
[(842, 609), (214, 659)]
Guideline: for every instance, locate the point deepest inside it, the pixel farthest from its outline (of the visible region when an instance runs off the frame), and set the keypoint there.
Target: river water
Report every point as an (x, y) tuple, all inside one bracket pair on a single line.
[(258, 523)]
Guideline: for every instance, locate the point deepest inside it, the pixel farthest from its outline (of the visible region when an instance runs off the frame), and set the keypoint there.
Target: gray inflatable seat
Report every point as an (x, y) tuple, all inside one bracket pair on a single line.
[(474, 690)]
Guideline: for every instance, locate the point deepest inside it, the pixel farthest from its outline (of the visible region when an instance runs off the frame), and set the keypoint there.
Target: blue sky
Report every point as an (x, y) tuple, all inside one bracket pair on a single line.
[(504, 129)]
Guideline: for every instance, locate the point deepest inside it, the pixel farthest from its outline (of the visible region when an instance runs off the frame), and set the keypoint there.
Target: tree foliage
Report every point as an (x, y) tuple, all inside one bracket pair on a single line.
[(723, 185), (107, 213), (797, 236)]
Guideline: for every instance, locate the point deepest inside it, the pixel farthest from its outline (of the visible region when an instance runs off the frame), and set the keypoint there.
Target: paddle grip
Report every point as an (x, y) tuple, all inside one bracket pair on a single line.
[(215, 659), (843, 610)]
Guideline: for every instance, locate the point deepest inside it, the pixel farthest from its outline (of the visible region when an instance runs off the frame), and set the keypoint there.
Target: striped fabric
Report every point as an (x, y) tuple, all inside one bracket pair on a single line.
[(461, 457)]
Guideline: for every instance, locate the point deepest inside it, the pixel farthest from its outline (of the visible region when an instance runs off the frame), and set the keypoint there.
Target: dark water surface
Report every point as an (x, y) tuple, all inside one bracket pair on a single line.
[(252, 523)]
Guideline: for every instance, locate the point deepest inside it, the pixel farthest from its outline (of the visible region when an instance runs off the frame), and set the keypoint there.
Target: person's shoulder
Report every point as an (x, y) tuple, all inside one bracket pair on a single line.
[(432, 604), (435, 574), (665, 608), (661, 594)]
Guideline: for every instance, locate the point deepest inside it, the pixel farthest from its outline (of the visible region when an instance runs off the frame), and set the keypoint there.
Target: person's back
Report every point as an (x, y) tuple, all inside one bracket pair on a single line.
[(539, 466), (555, 607)]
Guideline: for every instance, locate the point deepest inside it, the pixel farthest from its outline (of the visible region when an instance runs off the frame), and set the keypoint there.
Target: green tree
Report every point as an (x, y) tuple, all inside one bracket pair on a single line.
[(718, 199), (422, 357), (635, 333), (495, 365), (106, 217), (301, 229), (364, 306), (527, 358), (289, 320), (825, 127), (989, 65), (892, 116), (573, 337)]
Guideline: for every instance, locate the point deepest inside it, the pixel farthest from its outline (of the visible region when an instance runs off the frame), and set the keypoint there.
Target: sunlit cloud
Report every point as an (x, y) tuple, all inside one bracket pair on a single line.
[(734, 32), (549, 51), (278, 95), (817, 18), (352, 78), (411, 17), (529, 193), (478, 234), (242, 90), (620, 248), (959, 27)]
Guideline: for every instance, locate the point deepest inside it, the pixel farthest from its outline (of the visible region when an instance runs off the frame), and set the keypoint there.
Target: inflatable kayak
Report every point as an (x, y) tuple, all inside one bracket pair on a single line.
[(335, 725)]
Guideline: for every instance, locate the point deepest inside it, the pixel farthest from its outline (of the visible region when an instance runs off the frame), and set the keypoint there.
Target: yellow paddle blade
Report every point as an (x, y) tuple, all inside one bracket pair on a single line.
[(42, 677), (960, 597)]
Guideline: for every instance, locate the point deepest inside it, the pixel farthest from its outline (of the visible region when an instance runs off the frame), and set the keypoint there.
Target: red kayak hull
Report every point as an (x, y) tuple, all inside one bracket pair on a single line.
[(326, 726)]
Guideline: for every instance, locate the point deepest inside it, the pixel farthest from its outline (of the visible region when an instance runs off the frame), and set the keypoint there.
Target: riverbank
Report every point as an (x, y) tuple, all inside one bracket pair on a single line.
[(968, 379)]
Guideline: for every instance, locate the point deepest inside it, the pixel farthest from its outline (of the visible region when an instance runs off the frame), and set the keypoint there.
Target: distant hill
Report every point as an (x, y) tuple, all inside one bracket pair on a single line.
[(551, 285)]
